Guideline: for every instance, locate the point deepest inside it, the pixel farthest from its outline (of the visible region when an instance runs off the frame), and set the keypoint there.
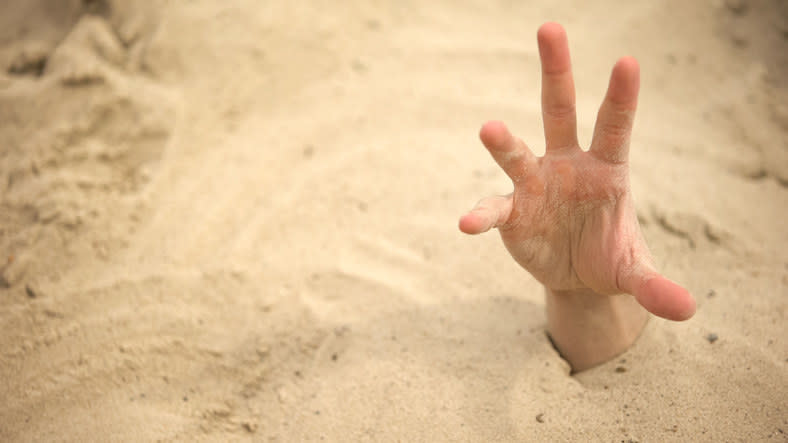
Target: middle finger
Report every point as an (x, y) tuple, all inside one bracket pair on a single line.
[(558, 89)]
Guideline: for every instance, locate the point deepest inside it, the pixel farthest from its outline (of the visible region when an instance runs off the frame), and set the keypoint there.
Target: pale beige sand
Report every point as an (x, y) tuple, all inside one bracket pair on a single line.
[(236, 220)]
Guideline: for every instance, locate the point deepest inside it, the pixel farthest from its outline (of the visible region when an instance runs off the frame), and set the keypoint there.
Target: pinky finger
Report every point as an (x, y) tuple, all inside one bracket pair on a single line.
[(490, 212)]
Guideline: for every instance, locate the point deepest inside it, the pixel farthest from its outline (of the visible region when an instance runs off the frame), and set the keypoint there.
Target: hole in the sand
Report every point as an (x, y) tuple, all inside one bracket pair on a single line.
[(555, 348)]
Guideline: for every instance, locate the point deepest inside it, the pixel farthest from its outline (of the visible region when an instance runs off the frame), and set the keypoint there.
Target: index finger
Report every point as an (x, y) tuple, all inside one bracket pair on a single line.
[(617, 113), (558, 88)]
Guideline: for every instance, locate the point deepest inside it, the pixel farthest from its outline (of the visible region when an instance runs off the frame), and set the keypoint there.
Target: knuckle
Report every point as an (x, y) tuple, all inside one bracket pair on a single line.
[(560, 111), (615, 131), (616, 125)]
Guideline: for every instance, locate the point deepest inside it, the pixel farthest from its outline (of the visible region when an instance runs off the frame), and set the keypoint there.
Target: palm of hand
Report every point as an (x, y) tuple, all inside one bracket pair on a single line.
[(571, 221)]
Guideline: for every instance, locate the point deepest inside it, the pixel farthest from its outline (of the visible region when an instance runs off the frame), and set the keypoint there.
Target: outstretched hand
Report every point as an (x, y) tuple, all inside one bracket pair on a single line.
[(571, 220)]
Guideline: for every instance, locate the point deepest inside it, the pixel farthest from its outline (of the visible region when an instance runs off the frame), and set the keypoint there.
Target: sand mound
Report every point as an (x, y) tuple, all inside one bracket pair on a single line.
[(84, 130)]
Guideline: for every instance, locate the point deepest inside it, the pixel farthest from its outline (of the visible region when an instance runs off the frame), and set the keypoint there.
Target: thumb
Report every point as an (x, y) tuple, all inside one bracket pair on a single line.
[(659, 295)]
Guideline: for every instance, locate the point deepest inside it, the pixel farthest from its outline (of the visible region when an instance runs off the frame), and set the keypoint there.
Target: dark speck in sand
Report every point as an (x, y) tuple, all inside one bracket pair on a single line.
[(712, 337)]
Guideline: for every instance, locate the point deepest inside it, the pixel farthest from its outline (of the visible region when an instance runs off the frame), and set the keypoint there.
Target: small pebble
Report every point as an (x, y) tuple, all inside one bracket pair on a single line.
[(712, 337), (540, 418), (621, 369)]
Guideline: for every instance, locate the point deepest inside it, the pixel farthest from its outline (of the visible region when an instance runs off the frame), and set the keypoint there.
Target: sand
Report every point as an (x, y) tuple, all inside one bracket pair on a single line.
[(236, 221)]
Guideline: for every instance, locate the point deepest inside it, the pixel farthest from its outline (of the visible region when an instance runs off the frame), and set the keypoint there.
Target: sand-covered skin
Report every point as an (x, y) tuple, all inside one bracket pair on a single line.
[(226, 221)]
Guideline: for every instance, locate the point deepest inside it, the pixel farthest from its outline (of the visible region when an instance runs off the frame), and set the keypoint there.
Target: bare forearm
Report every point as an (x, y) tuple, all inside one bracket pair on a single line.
[(589, 328)]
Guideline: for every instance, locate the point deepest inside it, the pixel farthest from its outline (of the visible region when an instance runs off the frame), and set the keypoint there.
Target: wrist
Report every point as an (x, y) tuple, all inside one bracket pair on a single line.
[(589, 328)]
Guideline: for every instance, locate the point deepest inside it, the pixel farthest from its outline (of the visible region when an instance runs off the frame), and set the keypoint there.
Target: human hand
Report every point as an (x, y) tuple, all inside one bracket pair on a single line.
[(571, 220)]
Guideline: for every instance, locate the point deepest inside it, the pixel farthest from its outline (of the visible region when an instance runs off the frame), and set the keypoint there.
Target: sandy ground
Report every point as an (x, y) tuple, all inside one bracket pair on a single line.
[(236, 220)]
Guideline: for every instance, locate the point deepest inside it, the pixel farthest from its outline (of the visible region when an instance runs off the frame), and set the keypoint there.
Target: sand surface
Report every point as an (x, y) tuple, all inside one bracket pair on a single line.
[(236, 220)]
